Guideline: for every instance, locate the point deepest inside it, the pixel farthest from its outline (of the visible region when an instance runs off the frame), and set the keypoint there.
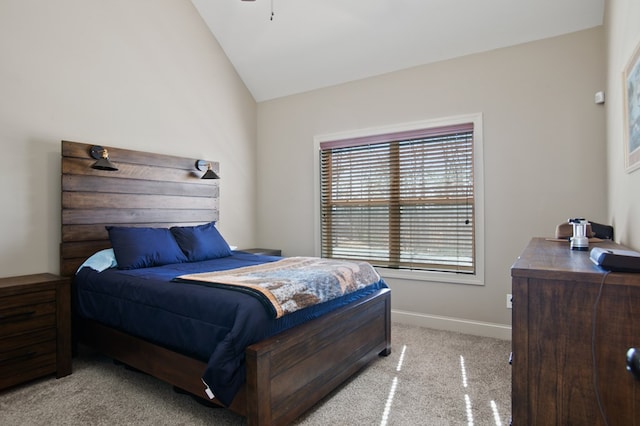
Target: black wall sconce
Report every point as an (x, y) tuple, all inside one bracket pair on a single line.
[(102, 155), (209, 174)]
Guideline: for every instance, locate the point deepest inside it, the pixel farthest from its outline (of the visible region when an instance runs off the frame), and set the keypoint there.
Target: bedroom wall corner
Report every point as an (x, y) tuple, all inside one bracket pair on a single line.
[(145, 75)]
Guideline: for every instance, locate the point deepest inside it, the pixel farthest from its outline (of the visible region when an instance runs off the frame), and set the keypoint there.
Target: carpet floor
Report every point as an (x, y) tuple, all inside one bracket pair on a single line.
[(432, 377)]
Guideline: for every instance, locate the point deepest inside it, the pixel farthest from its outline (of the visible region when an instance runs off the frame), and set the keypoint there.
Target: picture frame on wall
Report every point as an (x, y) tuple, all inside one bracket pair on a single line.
[(631, 80)]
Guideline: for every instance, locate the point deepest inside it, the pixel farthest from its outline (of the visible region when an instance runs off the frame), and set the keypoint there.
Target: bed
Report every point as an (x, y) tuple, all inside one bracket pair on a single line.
[(284, 374)]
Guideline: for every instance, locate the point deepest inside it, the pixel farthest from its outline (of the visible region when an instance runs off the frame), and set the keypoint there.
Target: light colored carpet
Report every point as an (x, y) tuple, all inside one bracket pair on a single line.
[(432, 377)]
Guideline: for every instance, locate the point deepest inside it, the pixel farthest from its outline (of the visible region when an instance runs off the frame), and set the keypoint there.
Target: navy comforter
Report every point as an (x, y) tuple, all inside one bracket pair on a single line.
[(211, 324)]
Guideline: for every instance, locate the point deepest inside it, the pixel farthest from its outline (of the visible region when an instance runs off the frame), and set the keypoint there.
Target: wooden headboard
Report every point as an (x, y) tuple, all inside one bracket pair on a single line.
[(147, 190)]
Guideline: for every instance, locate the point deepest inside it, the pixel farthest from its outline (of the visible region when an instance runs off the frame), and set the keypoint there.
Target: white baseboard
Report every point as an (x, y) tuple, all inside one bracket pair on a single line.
[(477, 328)]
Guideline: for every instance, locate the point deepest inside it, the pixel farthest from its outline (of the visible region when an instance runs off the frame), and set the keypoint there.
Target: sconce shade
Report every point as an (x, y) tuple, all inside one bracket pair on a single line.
[(102, 155), (209, 174)]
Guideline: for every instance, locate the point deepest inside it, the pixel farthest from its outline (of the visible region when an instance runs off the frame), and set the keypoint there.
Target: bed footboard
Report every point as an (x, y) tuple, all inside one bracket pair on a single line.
[(289, 373)]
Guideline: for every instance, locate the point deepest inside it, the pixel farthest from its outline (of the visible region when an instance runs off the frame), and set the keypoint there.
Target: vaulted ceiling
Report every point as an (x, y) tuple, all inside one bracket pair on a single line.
[(283, 47)]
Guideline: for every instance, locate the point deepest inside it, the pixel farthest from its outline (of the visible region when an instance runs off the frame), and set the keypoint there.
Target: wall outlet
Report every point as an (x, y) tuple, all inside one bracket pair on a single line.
[(509, 301)]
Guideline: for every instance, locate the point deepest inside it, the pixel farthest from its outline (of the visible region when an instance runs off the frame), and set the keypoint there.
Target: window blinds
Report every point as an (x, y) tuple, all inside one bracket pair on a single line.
[(402, 200)]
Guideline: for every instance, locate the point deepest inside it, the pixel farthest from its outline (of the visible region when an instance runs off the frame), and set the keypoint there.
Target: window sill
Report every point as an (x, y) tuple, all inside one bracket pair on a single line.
[(431, 276)]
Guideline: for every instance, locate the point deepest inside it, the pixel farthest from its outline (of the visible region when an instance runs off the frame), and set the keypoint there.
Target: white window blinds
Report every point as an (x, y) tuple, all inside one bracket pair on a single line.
[(403, 200)]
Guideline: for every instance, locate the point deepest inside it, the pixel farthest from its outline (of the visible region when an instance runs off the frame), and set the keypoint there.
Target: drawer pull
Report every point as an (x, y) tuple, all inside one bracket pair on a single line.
[(17, 316), (18, 358)]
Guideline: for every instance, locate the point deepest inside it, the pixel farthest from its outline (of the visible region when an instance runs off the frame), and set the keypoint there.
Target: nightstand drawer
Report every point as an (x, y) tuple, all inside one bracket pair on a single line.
[(24, 340), (27, 355), (19, 319), (263, 251), (25, 299), (35, 328), (26, 363)]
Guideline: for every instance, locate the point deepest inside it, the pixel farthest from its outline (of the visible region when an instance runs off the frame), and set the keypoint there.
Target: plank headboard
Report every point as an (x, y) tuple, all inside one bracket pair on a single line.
[(147, 190)]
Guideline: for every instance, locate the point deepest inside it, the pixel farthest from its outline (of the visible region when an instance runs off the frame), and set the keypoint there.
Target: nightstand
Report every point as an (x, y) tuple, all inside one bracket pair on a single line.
[(35, 328), (263, 251)]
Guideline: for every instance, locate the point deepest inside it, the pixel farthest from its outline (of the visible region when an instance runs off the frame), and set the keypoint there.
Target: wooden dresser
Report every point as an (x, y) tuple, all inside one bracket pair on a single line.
[(555, 291), (35, 328)]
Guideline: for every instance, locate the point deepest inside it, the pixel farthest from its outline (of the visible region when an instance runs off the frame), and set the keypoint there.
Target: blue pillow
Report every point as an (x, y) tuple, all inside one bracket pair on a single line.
[(144, 247), (202, 242)]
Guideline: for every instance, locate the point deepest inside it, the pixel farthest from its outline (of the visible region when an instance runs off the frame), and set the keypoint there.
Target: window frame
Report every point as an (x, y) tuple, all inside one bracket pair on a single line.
[(408, 274)]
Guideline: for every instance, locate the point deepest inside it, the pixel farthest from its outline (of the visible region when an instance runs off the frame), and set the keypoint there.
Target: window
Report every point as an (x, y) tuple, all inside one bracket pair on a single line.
[(403, 199)]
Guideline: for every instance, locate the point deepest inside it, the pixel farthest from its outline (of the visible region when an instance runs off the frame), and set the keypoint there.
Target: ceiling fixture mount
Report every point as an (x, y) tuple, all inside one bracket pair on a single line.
[(272, 14)]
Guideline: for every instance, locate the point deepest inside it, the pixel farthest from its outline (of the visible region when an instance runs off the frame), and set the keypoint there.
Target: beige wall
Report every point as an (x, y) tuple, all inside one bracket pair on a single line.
[(143, 75), (148, 75), (623, 36), (544, 157)]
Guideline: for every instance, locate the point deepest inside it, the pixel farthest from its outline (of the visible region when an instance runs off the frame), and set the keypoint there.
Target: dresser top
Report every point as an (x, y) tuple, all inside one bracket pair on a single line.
[(552, 259)]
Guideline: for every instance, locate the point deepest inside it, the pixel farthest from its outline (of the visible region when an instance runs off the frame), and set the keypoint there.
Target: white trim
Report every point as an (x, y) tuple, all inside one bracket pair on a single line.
[(460, 325), (478, 165), (432, 276)]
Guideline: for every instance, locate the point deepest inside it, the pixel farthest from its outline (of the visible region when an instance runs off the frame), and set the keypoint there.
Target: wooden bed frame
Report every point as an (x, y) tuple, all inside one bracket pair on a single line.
[(286, 374)]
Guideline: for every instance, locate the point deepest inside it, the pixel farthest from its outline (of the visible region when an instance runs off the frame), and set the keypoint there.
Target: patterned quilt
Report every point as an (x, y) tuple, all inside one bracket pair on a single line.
[(292, 283)]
